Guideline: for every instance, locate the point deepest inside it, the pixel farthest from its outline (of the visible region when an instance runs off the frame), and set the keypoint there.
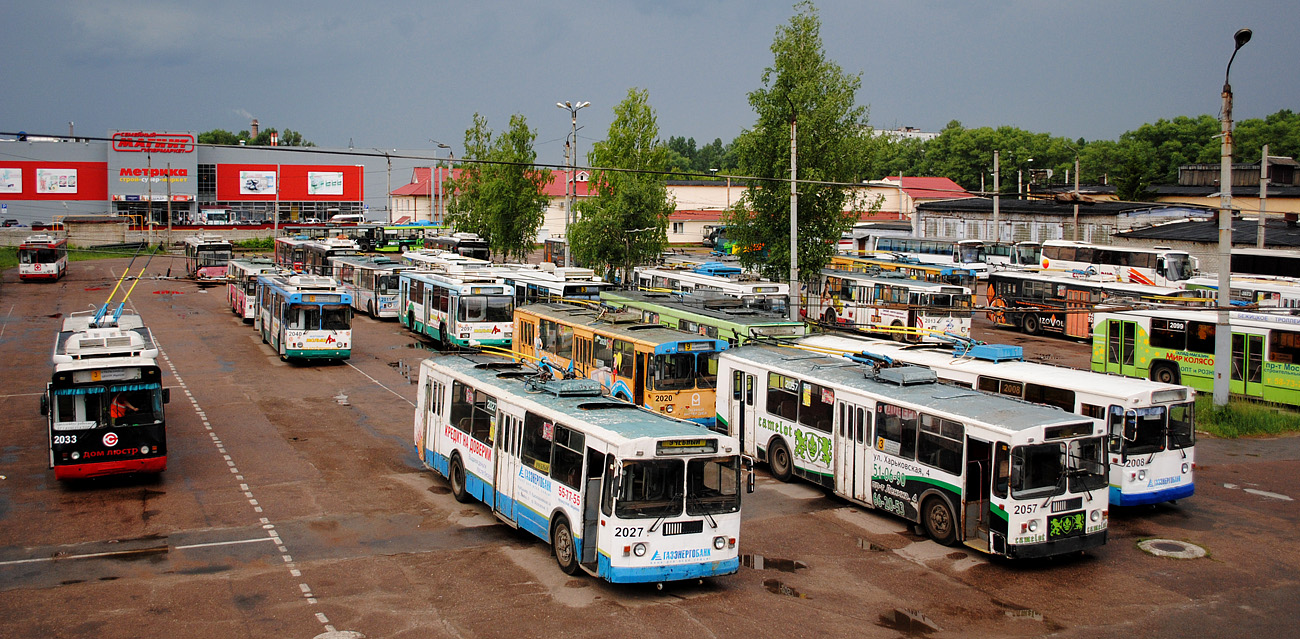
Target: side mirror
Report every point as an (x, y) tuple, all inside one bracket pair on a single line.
[(45, 404), (167, 395), (748, 463), (1017, 469)]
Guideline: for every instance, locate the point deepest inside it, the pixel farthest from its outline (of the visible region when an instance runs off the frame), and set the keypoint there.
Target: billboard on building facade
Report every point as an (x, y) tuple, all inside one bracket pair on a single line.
[(145, 165), (56, 180), (257, 183), (324, 183), (11, 180)]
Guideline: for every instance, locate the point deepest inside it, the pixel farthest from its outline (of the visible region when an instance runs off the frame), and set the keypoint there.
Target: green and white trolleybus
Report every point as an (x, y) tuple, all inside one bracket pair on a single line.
[(996, 474), (620, 492)]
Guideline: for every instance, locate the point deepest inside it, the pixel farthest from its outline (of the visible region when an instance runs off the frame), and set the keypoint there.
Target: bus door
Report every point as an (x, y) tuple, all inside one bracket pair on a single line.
[(1077, 322), (505, 459), (975, 502), (852, 448), (591, 505), (639, 377), (740, 420), (1247, 364), (1121, 338)]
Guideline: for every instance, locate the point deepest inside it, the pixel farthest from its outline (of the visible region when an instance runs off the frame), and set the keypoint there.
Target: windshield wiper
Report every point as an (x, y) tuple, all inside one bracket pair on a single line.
[(699, 503)]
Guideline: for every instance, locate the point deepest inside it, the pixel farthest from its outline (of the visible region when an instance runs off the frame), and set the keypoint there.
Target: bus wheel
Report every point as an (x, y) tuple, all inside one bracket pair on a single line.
[(1165, 373), (457, 479), (443, 343), (938, 520), (371, 310), (1031, 324), (897, 334), (566, 552), (778, 459), (829, 317)]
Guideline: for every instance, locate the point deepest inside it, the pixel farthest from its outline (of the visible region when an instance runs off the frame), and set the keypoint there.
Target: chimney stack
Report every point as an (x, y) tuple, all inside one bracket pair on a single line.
[(254, 130)]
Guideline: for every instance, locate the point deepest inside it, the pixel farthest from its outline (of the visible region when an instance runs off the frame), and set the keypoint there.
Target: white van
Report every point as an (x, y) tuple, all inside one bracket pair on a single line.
[(348, 218)]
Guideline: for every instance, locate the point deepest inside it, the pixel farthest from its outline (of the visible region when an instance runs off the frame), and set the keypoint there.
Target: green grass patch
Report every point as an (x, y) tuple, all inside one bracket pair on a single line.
[(8, 257), (1242, 418), (76, 254)]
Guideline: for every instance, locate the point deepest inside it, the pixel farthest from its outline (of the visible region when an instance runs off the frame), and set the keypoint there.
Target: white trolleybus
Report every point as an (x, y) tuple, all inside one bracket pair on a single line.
[(996, 474), (304, 317), (457, 307), (620, 492), (105, 400), (206, 257), (1152, 431), (719, 278), (373, 282), (890, 303), (42, 257), (1153, 267), (241, 284)]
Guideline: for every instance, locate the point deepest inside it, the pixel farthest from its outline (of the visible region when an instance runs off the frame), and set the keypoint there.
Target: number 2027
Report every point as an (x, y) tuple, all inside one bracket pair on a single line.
[(628, 531)]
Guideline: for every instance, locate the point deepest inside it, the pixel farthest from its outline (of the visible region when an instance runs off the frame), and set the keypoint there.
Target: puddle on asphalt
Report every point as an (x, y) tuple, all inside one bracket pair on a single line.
[(404, 369), (759, 562), (422, 346), (871, 546), (778, 587), (55, 316), (910, 622), (439, 490)]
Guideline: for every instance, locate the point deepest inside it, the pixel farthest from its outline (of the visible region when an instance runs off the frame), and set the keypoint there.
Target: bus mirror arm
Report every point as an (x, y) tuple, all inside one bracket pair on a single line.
[(45, 404), (748, 463)]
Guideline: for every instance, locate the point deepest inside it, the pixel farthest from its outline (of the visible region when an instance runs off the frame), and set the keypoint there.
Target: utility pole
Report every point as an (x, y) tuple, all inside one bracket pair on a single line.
[(1263, 199), (1223, 329), (1076, 198), (997, 171), (169, 204), (794, 224)]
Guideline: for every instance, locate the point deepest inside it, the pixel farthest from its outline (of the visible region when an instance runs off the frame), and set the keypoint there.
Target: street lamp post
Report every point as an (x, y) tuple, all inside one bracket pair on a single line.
[(571, 189), (437, 199), (1222, 331)]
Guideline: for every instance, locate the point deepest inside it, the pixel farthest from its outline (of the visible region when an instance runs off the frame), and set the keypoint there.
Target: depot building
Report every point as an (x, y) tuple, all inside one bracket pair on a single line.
[(147, 173)]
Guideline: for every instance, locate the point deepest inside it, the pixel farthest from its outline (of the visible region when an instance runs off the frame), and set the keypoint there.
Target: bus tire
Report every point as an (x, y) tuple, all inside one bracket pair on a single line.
[(456, 477), (371, 309), (829, 317), (1165, 373), (939, 523), (443, 343), (566, 551), (778, 459), (897, 333), (1031, 324)]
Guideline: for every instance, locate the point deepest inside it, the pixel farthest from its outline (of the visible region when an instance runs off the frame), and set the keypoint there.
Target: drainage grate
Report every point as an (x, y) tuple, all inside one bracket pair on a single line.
[(1172, 548)]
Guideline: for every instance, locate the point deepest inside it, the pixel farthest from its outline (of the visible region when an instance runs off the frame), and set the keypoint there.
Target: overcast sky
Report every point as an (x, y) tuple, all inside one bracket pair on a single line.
[(397, 74)]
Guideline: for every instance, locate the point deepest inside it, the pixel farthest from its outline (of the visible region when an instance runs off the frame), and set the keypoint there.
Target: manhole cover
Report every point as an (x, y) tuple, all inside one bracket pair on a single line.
[(1171, 548)]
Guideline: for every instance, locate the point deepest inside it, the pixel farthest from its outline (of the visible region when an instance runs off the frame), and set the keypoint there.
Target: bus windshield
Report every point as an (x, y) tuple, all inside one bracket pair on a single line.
[(1040, 470), (387, 284), (486, 308), (772, 303), (713, 486), (335, 317), (38, 256), (99, 407), (970, 253), (1178, 267), (1140, 431), (651, 488), (1182, 433), (1027, 254), (685, 371), (213, 256)]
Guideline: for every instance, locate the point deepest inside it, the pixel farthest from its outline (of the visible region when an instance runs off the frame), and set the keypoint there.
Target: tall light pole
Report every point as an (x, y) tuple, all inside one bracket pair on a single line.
[(436, 195), (1222, 331), (571, 188)]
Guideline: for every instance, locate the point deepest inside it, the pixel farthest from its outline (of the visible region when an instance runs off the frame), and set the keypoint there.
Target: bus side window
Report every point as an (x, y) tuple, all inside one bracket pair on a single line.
[(1001, 470), (611, 475)]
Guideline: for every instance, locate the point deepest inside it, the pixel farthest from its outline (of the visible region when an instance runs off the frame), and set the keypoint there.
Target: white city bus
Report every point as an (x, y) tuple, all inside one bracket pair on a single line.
[(889, 303), (373, 281), (996, 474), (1152, 428), (716, 277), (620, 492), (457, 308), (1153, 267), (241, 284)]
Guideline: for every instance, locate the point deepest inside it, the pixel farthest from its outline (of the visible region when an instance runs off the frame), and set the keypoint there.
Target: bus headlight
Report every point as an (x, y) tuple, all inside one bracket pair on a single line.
[(1142, 475), (719, 543), (1095, 515), (144, 450), (1033, 525), (639, 549), (1186, 467), (76, 455)]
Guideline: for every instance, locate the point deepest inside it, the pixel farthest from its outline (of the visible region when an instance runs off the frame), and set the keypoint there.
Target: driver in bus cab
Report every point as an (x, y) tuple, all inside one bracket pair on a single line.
[(120, 406)]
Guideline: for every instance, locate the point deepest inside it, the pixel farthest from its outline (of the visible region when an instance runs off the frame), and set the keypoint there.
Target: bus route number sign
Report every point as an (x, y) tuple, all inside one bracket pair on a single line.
[(686, 446)]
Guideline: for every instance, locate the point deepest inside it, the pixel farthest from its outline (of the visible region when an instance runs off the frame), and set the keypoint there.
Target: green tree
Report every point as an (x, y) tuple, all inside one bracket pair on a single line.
[(1135, 172), (514, 201), (805, 88), (466, 204), (221, 136), (498, 194), (625, 221), (1280, 131)]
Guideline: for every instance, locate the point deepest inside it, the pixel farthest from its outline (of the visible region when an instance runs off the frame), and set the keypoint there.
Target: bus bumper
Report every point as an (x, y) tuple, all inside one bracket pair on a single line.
[(101, 469), (1118, 498), (333, 353), (39, 276), (1058, 547), (658, 574)]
